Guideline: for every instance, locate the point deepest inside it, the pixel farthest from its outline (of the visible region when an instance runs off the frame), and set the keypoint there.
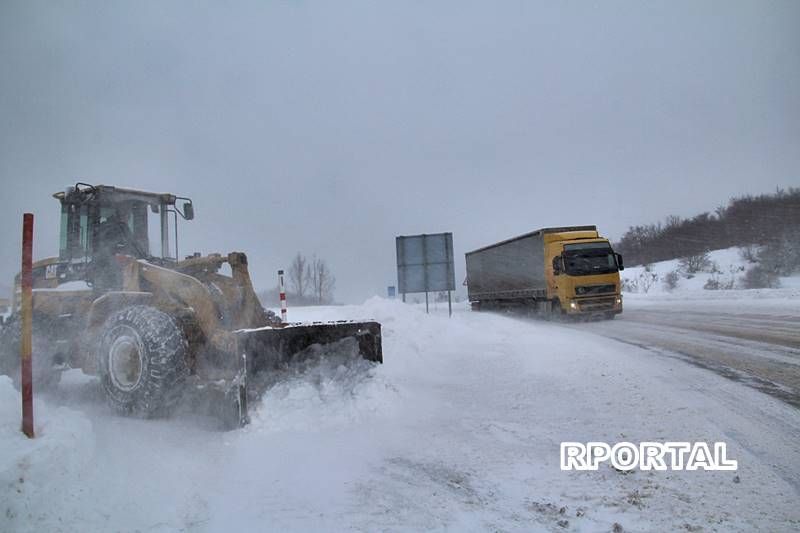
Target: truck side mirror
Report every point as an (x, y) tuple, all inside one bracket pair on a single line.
[(188, 211), (620, 264), (557, 265)]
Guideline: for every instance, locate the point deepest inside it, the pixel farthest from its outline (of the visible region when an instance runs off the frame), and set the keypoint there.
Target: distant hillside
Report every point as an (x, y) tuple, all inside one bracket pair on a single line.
[(723, 270), (771, 220)]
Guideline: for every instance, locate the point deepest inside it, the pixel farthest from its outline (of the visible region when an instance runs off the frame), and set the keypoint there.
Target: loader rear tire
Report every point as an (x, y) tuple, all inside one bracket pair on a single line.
[(141, 357), (45, 376)]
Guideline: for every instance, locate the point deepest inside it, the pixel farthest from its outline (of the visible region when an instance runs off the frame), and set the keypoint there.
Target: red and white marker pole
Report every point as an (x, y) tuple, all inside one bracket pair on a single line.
[(27, 316), (283, 296)]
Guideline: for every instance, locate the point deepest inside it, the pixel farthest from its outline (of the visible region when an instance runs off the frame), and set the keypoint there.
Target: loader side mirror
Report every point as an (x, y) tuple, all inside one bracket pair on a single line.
[(188, 211), (620, 264), (557, 265)]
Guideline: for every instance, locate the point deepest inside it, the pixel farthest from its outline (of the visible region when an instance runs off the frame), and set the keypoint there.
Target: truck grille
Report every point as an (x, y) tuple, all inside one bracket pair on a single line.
[(596, 304), (594, 289)]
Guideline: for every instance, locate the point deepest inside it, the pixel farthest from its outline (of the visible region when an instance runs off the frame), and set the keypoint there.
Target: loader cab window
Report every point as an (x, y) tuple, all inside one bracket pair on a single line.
[(134, 227), (74, 234), (583, 259), (87, 230), (62, 234), (121, 229)]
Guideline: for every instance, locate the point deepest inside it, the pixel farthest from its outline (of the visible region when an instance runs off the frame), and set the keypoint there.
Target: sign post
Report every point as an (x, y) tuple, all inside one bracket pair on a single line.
[(27, 325), (425, 264), (282, 290)]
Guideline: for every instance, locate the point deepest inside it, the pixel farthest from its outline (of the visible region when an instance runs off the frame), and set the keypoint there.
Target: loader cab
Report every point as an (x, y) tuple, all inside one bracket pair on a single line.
[(100, 222)]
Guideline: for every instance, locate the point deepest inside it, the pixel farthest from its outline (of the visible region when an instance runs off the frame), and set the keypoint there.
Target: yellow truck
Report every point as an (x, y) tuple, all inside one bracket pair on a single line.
[(569, 270)]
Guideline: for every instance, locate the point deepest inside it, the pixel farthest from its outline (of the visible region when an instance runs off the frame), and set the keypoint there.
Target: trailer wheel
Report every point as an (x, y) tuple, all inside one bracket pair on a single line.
[(141, 356), (45, 377)]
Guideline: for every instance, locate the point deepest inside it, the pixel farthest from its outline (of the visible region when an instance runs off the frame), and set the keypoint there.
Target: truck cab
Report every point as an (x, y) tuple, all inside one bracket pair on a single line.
[(583, 273)]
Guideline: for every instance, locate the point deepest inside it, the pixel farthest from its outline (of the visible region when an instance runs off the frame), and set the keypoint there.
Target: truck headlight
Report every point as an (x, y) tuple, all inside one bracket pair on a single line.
[(573, 305), (619, 300)]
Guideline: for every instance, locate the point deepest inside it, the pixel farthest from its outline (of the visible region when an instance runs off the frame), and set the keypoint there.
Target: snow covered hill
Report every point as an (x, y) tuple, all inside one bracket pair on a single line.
[(724, 273)]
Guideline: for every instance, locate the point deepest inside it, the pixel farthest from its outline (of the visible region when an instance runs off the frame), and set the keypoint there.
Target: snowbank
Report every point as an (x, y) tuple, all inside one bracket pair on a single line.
[(341, 390), (41, 477)]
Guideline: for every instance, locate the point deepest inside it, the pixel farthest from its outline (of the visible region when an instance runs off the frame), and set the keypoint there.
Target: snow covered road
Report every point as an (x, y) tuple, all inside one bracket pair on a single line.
[(757, 343), (458, 430)]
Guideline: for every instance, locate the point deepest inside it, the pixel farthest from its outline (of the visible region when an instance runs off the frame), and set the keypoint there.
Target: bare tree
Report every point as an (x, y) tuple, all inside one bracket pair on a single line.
[(300, 275), (322, 280), (692, 264), (671, 280)]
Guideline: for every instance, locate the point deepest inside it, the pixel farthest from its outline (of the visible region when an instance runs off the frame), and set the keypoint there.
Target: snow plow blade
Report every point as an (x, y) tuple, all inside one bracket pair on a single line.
[(272, 348), (268, 351)]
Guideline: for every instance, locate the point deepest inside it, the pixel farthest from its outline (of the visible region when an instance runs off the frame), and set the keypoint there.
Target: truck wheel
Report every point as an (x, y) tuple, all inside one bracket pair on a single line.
[(556, 312), (45, 377), (142, 361)]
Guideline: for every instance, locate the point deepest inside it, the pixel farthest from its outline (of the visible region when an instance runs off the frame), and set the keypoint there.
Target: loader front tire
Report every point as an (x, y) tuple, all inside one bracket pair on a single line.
[(141, 356)]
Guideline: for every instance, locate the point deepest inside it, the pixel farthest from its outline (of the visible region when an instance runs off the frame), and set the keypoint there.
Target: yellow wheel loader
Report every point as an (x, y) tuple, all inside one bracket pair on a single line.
[(119, 303)]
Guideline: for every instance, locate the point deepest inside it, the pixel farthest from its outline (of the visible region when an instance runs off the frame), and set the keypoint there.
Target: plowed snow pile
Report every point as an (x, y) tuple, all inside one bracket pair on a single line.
[(459, 429), (38, 475)]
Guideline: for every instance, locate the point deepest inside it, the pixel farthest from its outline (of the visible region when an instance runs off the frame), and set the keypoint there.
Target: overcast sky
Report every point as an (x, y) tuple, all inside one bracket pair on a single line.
[(332, 127)]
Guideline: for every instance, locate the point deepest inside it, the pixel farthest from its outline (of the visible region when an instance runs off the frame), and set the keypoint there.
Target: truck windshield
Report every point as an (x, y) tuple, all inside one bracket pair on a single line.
[(589, 258)]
